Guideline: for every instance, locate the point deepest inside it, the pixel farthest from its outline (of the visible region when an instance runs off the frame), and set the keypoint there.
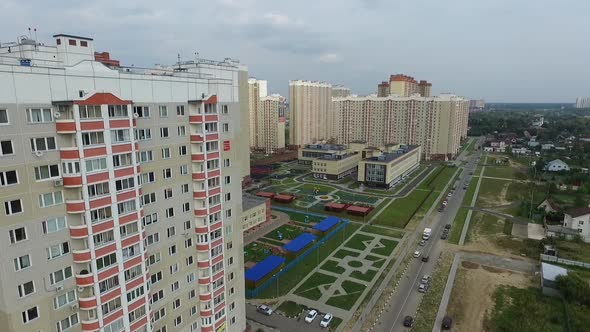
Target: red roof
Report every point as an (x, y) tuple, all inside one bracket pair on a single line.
[(578, 212), (103, 98), (361, 209), (284, 197), (335, 205), (265, 194)]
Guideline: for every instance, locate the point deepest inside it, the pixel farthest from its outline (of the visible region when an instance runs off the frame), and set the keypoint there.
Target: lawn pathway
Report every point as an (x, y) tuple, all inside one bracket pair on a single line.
[(473, 200)]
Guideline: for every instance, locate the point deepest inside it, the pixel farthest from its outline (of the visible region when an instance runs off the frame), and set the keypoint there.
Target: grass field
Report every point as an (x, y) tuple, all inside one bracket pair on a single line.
[(348, 197), (289, 280), (461, 215), (347, 301), (443, 178), (506, 172), (291, 309), (398, 213), (377, 261), (383, 231), (574, 250), (289, 233), (368, 276), (309, 289), (300, 216), (332, 266), (356, 242), (343, 253), (308, 188), (425, 184), (256, 251), (387, 249)]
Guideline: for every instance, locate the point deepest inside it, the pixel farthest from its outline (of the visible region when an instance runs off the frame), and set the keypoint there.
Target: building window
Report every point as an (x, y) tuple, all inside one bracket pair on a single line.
[(98, 164), (58, 250), (70, 167), (26, 289), (39, 115), (118, 111), (8, 178), (51, 199), (54, 225), (181, 130), (163, 111), (145, 156), (167, 173), (64, 299), (167, 193), (180, 110), (228, 213), (171, 231), (224, 109), (226, 127), (13, 207), (6, 148), (4, 117), (30, 314), (177, 320), (166, 153), (108, 284), (182, 150), (226, 163), (228, 197), (22, 262), (43, 144), (148, 177), (183, 169), (169, 212), (227, 179), (186, 207), (92, 138), (184, 188), (72, 42), (125, 184), (141, 111), (150, 219), (120, 136), (164, 132), (172, 250), (98, 189), (66, 323), (175, 286), (90, 111), (46, 172), (143, 134), (149, 198), (106, 261), (60, 275)]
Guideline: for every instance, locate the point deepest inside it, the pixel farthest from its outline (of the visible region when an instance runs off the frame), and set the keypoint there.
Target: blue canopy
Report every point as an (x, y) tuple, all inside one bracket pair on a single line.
[(263, 268), (326, 224), (299, 242)]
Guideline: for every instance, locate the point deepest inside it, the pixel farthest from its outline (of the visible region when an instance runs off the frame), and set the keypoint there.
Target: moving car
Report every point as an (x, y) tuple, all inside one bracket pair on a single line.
[(408, 321), (425, 259), (326, 320), (263, 308), (311, 315), (447, 323), (447, 226), (422, 243), (423, 288), (416, 254)]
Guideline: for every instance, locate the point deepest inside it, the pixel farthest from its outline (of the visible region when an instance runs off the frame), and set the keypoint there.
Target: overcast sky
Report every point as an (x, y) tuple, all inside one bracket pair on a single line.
[(500, 50)]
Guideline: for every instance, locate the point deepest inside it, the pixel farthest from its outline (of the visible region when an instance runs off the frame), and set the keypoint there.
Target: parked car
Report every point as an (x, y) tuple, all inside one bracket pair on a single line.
[(447, 323), (263, 308), (464, 187), (426, 279), (449, 194), (422, 243), (447, 226), (326, 320), (416, 254), (311, 315), (408, 321), (423, 288), (444, 236), (425, 259), (445, 202)]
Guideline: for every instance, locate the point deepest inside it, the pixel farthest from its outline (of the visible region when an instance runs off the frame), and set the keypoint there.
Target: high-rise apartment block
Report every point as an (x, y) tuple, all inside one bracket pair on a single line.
[(267, 122), (437, 124), (583, 102), (121, 191), (340, 91), (311, 118), (403, 86)]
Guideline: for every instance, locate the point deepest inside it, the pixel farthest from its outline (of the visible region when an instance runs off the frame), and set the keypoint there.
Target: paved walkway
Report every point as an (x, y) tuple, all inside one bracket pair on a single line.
[(470, 212), (497, 178), (265, 228)]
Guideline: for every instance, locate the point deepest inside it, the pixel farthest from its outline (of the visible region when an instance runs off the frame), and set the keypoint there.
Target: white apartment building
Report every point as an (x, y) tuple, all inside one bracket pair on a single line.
[(437, 123), (267, 124), (310, 111), (583, 102), (120, 191)]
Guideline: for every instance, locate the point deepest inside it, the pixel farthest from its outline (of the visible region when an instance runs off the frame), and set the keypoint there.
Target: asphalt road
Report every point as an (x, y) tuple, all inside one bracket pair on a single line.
[(282, 323), (406, 299)]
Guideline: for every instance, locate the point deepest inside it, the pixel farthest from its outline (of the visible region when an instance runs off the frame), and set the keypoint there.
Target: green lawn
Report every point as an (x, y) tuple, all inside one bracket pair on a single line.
[(368, 276), (425, 184), (278, 188), (383, 231), (574, 250), (356, 242), (256, 251), (332, 266), (343, 253), (289, 280), (461, 215), (269, 241), (291, 309), (289, 232), (518, 309), (506, 172), (377, 261), (443, 178), (347, 301), (431, 300), (300, 216), (389, 245), (348, 197), (309, 289), (308, 188), (398, 213)]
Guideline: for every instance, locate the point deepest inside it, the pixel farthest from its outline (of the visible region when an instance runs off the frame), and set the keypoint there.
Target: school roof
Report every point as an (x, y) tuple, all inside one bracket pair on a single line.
[(326, 224), (284, 197), (265, 194), (263, 268), (355, 208), (299, 242), (336, 205)]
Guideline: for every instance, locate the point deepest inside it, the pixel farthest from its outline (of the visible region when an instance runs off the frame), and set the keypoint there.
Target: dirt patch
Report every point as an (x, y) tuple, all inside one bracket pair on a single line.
[(471, 299), (469, 265), (501, 198)]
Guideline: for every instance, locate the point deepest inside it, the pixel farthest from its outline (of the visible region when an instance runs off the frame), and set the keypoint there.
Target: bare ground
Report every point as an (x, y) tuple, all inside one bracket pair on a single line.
[(471, 299)]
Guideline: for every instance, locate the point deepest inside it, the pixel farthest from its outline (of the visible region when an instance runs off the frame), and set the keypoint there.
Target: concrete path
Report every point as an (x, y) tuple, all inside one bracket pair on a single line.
[(442, 308), (497, 178), (265, 228), (510, 217), (470, 212)]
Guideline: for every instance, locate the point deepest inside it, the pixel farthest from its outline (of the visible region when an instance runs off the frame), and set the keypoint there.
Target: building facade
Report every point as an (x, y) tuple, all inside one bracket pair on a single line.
[(121, 192), (583, 102), (256, 211), (437, 124), (403, 86), (311, 115), (267, 118), (340, 91), (389, 168), (335, 167)]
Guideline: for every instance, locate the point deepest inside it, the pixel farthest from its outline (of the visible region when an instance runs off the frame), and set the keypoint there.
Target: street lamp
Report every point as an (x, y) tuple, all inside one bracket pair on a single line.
[(278, 275)]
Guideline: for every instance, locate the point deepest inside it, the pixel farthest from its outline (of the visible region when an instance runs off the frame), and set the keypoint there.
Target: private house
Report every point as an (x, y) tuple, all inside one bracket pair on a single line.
[(578, 219), (556, 166), (549, 205)]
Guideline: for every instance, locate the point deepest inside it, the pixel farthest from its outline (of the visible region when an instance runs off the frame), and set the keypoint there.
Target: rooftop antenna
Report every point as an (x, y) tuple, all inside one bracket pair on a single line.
[(36, 40), (178, 60), (30, 37)]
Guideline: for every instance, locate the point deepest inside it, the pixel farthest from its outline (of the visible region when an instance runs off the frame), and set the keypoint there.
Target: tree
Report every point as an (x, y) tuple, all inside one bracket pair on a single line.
[(574, 288)]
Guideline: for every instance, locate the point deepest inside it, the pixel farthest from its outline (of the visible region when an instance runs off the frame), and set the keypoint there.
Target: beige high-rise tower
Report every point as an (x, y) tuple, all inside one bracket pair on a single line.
[(267, 124), (311, 115)]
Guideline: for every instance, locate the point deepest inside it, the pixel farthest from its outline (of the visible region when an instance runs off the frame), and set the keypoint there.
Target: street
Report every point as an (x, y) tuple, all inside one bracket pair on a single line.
[(406, 298), (282, 323)]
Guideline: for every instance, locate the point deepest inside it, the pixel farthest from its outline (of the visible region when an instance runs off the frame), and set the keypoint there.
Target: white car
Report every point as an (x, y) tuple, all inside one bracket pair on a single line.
[(326, 320), (416, 254), (311, 315), (264, 309)]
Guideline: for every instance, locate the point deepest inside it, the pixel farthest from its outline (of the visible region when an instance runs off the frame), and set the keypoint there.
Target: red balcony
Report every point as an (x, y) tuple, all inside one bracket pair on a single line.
[(203, 264), (78, 232), (202, 247), (69, 153), (211, 118), (205, 297), (195, 119), (139, 323), (199, 194), (201, 229), (206, 313), (198, 157), (200, 212), (75, 206), (212, 137), (72, 181), (122, 148), (212, 155), (199, 176), (119, 123), (196, 138), (214, 173), (90, 325), (84, 280), (214, 191), (91, 125), (100, 202), (65, 126), (81, 256), (204, 281), (87, 303)]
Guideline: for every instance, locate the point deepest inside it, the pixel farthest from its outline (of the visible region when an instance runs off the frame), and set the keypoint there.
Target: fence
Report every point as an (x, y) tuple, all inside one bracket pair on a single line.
[(555, 259), (250, 293)]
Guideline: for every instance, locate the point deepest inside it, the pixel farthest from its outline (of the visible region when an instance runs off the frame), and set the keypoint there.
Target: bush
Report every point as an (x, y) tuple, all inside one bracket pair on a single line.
[(574, 288)]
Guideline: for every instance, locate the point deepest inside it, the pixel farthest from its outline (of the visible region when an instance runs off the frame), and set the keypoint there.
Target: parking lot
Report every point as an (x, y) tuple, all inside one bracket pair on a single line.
[(282, 323)]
